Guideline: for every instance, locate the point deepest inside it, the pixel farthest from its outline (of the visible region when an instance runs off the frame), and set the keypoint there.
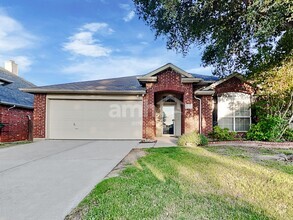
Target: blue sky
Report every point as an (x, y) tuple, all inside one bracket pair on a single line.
[(59, 41)]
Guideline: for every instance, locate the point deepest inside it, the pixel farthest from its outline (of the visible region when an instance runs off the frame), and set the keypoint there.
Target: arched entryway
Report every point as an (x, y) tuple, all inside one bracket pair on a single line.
[(168, 108)]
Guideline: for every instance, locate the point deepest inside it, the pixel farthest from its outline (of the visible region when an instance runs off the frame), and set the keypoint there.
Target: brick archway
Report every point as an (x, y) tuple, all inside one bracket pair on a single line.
[(168, 81)]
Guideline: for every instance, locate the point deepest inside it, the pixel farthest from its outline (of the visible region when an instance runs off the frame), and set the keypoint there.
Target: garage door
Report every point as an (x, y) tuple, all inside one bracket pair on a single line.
[(94, 119)]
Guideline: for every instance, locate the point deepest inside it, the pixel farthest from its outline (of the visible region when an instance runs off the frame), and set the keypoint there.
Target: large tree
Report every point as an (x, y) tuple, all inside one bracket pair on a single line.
[(236, 35)]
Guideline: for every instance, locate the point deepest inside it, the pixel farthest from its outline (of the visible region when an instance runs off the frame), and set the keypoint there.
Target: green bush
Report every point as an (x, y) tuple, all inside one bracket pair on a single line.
[(203, 140), (189, 140), (267, 129), (288, 135), (222, 134)]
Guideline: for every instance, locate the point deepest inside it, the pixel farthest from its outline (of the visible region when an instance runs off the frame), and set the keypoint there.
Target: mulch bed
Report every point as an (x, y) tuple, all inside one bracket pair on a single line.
[(285, 145)]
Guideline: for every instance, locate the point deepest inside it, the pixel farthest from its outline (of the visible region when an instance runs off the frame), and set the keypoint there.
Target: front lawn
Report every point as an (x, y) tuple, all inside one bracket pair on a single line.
[(192, 183)]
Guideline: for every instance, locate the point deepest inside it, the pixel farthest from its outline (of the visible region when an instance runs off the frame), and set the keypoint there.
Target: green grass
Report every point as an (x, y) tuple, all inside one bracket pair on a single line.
[(250, 153), (192, 183)]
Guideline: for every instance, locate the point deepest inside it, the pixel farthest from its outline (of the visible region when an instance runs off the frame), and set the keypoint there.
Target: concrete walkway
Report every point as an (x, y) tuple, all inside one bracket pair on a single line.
[(45, 180), (164, 141)]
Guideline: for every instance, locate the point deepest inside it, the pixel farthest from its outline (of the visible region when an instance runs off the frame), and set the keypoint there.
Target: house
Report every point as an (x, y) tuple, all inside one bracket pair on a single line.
[(16, 107), (166, 101)]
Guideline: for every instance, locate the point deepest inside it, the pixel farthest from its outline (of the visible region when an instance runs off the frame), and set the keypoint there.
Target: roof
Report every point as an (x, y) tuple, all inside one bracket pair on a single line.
[(212, 86), (119, 85), (205, 77), (10, 93), (169, 65), (209, 90)]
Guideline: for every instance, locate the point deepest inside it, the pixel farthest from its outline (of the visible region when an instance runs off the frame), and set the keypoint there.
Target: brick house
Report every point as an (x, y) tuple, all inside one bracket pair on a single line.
[(166, 101), (16, 107)]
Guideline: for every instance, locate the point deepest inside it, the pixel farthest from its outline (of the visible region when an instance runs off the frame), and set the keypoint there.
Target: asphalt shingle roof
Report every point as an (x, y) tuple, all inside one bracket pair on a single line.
[(128, 83), (10, 93), (205, 77)]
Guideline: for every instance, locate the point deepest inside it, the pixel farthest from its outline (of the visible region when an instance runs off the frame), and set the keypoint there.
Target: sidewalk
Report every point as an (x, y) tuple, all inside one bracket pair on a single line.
[(164, 141)]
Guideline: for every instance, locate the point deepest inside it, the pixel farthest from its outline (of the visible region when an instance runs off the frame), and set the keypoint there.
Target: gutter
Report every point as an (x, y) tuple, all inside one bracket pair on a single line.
[(16, 105), (201, 92), (200, 115), (67, 91)]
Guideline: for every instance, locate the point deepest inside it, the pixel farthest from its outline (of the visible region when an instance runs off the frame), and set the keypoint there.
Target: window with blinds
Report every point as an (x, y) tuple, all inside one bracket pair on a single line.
[(234, 111)]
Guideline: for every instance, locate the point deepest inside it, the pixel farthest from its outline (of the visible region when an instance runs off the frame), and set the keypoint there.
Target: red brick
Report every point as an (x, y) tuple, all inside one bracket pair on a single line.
[(16, 122), (234, 85), (40, 116), (168, 81)]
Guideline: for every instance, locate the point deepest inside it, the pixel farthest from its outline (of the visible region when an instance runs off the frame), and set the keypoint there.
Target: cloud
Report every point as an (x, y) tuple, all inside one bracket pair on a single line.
[(84, 43), (130, 13), (129, 16), (95, 27), (112, 67), (201, 70), (13, 35), (24, 63), (125, 7)]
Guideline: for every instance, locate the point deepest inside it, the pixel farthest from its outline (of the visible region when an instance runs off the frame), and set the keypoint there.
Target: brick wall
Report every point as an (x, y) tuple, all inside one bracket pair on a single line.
[(168, 81), (234, 85), (207, 114), (16, 123), (40, 116)]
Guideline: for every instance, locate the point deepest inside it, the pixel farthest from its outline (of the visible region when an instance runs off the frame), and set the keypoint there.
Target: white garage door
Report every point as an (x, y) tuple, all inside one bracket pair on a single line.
[(94, 119)]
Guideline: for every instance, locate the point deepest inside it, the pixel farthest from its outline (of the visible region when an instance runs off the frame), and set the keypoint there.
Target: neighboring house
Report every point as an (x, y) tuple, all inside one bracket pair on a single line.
[(16, 107), (166, 101)]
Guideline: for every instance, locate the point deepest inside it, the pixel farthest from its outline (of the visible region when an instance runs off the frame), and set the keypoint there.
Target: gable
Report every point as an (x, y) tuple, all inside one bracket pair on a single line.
[(234, 84), (169, 67)]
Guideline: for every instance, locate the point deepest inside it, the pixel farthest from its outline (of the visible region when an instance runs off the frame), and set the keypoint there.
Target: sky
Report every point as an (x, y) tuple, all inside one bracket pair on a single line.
[(61, 41)]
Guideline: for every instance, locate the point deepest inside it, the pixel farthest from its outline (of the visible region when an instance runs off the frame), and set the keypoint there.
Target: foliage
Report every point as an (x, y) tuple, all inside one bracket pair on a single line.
[(203, 140), (191, 183), (275, 94), (189, 140), (222, 134), (268, 129), (288, 135), (237, 36)]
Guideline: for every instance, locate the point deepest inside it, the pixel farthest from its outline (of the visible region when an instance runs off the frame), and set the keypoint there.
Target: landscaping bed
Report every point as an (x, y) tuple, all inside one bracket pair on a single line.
[(195, 183)]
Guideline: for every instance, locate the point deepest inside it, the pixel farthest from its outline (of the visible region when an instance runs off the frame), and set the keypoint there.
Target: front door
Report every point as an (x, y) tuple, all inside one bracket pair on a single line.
[(168, 119)]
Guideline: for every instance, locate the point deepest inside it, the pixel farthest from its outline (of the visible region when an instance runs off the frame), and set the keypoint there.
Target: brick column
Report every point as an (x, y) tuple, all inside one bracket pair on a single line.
[(207, 114), (149, 119), (39, 129), (189, 124)]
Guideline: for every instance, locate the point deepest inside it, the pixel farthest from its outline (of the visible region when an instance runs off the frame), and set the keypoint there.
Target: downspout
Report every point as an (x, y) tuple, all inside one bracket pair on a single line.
[(11, 107), (9, 120), (199, 113)]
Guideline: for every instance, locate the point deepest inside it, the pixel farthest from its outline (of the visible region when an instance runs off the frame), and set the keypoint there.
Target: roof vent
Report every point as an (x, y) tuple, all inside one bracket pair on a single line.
[(11, 66)]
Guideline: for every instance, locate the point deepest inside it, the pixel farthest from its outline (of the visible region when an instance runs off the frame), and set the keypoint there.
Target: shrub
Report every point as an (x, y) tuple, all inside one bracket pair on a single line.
[(288, 135), (223, 134), (267, 129), (189, 140), (203, 140)]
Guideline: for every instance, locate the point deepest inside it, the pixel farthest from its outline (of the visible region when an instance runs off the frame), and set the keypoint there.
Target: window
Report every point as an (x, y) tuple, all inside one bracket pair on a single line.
[(234, 111)]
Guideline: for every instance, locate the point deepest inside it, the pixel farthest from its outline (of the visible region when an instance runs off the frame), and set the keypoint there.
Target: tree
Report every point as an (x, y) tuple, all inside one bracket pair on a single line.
[(274, 97), (236, 35)]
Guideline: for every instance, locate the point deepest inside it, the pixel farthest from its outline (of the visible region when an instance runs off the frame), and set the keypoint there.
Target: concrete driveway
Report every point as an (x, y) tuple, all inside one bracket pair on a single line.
[(45, 180)]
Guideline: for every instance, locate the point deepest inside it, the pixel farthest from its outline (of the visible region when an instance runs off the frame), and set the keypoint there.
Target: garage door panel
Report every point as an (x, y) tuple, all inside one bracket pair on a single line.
[(80, 119)]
